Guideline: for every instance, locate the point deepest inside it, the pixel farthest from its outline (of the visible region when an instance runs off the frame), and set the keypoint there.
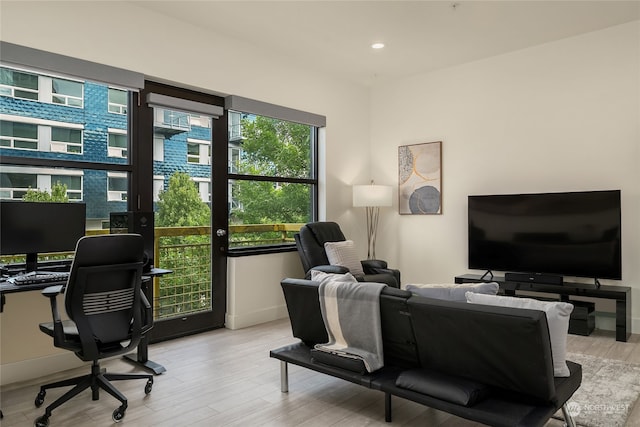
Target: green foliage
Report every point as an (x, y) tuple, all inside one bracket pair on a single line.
[(273, 148), (58, 194), (180, 204)]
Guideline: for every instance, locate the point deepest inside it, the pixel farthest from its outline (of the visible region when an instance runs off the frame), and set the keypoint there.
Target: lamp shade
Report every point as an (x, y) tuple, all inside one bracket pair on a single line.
[(371, 195)]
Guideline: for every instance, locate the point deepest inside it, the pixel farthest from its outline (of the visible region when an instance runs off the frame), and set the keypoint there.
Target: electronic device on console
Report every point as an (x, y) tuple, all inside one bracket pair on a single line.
[(30, 228), (539, 238), (141, 223)]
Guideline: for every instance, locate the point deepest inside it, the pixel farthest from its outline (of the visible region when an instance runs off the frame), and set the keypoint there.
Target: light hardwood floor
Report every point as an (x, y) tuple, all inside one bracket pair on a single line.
[(226, 378)]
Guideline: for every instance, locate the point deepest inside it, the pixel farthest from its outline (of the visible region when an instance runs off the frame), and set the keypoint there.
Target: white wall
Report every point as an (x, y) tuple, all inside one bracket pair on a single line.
[(123, 35), (562, 116)]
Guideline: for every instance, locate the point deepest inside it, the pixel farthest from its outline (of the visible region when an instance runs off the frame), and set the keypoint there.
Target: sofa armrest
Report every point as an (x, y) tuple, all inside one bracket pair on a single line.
[(337, 269), (373, 263)]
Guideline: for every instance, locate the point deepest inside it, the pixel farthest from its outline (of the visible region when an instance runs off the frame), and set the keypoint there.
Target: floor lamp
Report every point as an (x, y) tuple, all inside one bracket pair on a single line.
[(372, 197)]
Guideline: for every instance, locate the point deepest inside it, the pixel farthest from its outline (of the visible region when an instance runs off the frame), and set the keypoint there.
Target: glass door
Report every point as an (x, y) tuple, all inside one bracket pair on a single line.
[(187, 206)]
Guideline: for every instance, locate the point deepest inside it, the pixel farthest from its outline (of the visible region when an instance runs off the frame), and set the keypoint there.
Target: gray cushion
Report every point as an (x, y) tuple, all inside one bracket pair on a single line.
[(452, 292), (344, 254)]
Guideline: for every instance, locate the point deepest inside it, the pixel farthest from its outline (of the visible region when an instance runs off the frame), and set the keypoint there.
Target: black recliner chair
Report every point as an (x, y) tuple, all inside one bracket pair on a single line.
[(310, 242), (108, 315)]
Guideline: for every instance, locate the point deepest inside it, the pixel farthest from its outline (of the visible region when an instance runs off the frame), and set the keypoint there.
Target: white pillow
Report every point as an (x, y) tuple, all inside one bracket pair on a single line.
[(452, 292), (321, 276), (558, 314), (344, 254)]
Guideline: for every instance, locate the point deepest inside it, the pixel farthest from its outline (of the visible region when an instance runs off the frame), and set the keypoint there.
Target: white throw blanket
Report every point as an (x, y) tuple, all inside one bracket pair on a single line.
[(351, 313)]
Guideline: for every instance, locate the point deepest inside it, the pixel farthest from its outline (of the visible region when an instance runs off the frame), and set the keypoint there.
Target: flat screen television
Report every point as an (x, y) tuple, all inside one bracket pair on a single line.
[(573, 233), (29, 228)]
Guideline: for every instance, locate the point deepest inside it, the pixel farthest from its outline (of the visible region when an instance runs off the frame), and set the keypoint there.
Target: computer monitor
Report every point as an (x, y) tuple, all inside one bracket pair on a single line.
[(30, 228)]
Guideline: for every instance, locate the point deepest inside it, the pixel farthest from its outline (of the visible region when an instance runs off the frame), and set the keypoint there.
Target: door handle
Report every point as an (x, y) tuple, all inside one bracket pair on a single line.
[(221, 232)]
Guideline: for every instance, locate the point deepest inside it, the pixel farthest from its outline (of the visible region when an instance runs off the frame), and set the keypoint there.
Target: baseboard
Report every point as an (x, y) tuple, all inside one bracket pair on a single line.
[(30, 369), (256, 317)]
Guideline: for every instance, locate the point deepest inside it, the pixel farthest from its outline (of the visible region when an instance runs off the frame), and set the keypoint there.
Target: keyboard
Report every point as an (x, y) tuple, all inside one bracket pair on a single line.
[(36, 278)]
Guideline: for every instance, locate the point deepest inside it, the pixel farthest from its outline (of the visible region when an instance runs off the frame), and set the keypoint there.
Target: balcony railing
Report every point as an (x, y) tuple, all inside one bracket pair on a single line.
[(187, 252)]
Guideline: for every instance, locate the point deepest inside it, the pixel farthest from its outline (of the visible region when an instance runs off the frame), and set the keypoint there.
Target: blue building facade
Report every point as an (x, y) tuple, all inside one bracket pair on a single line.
[(56, 119)]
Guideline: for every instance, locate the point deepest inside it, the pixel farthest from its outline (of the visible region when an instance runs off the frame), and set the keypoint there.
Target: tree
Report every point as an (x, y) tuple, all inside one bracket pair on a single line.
[(58, 194), (180, 204), (273, 148)]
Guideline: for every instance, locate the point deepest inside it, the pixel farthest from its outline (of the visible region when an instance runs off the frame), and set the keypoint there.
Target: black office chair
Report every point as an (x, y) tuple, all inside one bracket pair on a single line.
[(310, 242), (106, 308)]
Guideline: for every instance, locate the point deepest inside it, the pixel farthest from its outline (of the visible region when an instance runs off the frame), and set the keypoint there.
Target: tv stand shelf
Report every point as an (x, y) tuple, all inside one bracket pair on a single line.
[(621, 294)]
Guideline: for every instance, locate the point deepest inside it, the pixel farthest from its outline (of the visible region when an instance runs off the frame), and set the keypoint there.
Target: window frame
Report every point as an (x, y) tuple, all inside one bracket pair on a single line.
[(312, 181)]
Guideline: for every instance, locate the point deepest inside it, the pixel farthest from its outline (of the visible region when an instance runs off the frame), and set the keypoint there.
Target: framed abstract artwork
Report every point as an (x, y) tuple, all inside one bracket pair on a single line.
[(420, 178)]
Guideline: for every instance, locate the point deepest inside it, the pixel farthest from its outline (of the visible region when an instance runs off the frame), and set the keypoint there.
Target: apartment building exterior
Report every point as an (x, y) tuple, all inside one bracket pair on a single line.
[(44, 118)]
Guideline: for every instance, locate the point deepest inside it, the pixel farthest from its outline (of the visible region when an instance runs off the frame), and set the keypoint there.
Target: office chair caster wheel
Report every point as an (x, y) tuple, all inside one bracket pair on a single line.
[(148, 387), (42, 421), (40, 398), (118, 414)]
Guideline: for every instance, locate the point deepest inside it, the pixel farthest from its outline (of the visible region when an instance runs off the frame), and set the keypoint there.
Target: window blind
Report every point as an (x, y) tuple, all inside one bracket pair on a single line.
[(48, 62)]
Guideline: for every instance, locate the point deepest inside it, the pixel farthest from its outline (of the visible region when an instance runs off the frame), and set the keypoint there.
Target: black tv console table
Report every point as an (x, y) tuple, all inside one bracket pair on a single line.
[(621, 294)]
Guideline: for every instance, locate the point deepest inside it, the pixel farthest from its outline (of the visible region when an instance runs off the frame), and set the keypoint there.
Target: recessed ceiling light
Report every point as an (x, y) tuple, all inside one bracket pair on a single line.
[(377, 45)]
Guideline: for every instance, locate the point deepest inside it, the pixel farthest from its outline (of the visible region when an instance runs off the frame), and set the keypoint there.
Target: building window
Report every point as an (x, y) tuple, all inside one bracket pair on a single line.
[(118, 101), (158, 186), (15, 181), (118, 143), (234, 159), (201, 121), (204, 188), (13, 186), (67, 92), (22, 136), (198, 151), (64, 140), (271, 179), (73, 184), (41, 138), (18, 84), (158, 148), (117, 187)]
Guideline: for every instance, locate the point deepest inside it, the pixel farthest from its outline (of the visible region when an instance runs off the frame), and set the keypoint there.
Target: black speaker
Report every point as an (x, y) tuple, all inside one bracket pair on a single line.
[(550, 279), (139, 223)]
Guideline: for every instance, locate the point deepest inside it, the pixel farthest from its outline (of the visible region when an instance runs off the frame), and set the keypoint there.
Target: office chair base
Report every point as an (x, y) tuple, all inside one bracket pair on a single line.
[(98, 379)]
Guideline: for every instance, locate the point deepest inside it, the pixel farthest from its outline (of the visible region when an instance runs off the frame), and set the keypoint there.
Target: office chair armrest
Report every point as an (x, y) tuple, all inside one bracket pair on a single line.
[(52, 292), (147, 313)]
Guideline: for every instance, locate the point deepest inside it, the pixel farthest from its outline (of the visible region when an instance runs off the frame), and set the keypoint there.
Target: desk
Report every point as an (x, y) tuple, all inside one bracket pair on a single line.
[(142, 356)]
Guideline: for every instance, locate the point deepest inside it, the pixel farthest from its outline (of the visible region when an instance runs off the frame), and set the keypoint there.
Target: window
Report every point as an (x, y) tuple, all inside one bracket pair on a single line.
[(234, 159), (118, 143), (16, 181), (14, 186), (272, 180), (18, 84), (117, 101), (201, 121), (40, 136), (118, 184), (22, 136), (67, 92), (158, 186), (73, 184), (64, 140), (198, 151)]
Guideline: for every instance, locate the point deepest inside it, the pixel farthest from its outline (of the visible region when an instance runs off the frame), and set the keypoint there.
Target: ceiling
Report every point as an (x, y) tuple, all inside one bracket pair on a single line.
[(420, 36)]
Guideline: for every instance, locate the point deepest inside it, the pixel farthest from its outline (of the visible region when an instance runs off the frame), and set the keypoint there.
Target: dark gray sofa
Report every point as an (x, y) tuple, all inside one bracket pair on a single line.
[(488, 364)]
